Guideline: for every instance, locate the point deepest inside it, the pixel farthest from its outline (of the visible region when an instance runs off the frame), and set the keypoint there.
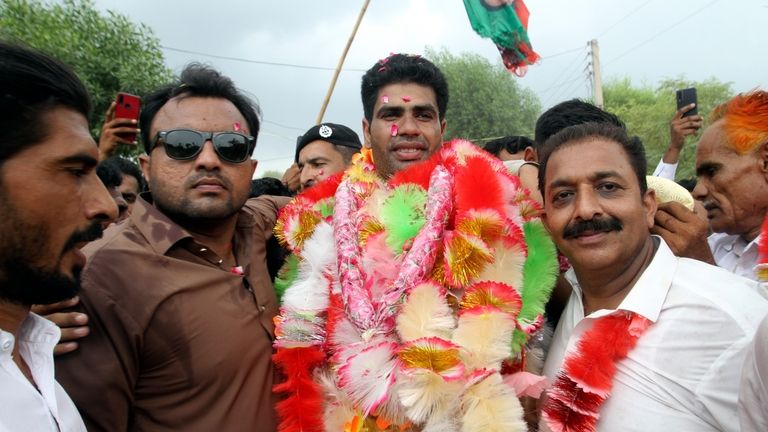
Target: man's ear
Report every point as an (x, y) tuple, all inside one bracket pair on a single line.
[(649, 202), (443, 123), (529, 155), (762, 154), (144, 163), (366, 133)]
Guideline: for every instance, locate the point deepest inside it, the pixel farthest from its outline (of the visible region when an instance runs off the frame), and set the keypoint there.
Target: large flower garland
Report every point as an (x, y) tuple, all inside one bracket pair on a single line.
[(406, 298)]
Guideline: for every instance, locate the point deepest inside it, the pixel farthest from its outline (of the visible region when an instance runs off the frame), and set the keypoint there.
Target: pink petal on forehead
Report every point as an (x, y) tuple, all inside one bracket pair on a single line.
[(393, 130), (385, 99), (406, 99), (236, 126)]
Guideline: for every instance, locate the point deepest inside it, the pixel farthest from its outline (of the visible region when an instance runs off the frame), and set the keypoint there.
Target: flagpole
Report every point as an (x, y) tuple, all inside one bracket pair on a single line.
[(341, 62)]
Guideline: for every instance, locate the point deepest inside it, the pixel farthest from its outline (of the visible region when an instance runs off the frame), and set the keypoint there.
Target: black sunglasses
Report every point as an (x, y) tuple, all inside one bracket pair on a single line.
[(186, 144)]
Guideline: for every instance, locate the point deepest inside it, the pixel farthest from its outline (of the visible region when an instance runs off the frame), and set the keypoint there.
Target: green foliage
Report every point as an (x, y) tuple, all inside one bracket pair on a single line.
[(486, 101), (273, 173), (108, 51), (647, 112)]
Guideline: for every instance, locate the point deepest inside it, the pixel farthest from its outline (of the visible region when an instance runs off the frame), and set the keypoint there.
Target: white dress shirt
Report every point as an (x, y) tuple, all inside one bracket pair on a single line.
[(734, 254), (22, 406), (665, 170), (683, 374), (753, 395)]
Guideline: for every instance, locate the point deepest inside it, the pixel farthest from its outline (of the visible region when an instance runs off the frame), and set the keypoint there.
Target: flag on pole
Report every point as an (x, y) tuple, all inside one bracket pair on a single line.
[(505, 22)]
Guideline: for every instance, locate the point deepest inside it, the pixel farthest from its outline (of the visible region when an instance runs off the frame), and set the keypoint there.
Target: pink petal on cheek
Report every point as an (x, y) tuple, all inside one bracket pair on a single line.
[(406, 99), (393, 130)]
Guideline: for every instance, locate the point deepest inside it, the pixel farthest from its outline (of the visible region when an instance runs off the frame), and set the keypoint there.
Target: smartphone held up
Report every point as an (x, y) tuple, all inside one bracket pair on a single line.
[(127, 106), (686, 97)]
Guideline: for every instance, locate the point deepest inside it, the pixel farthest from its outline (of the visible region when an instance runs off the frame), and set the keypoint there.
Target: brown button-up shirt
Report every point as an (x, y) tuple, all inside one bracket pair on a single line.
[(178, 342)]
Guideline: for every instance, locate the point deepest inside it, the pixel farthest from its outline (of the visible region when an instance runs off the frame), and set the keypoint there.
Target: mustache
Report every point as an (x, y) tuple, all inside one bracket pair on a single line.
[(208, 174), (93, 232), (593, 225)]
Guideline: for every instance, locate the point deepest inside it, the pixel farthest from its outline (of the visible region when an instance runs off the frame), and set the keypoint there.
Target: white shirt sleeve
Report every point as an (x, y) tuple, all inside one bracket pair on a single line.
[(665, 170)]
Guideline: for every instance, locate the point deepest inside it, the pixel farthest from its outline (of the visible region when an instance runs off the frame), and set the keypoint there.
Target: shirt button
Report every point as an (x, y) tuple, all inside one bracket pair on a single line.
[(7, 344), (263, 308)]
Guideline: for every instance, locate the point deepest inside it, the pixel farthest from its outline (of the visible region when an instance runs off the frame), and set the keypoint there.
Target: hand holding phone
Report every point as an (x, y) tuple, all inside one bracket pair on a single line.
[(686, 97), (119, 124)]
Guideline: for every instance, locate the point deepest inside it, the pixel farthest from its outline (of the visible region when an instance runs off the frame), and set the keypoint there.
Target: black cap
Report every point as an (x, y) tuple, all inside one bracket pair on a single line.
[(331, 132)]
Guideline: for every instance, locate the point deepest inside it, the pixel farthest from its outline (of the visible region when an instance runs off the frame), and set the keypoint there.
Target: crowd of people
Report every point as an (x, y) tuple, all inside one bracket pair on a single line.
[(389, 282)]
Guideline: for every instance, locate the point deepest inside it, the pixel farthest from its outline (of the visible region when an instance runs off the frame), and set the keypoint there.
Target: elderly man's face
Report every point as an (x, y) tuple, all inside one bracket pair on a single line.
[(319, 160), (731, 186)]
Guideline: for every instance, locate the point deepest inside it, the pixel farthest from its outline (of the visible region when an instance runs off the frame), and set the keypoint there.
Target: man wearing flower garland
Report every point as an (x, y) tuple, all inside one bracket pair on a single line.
[(648, 341), (416, 277)]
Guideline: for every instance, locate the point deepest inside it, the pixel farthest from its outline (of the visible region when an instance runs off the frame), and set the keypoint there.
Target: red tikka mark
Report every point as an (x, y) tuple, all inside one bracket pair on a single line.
[(238, 270), (406, 99), (393, 130), (236, 126)]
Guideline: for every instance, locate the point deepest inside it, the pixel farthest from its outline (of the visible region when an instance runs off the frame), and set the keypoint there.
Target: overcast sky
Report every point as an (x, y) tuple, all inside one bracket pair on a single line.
[(645, 40)]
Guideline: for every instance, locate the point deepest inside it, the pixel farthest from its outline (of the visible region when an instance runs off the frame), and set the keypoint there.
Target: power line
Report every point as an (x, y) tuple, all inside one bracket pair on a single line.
[(562, 77), (261, 62), (284, 126), (686, 18), (562, 53), (612, 26)]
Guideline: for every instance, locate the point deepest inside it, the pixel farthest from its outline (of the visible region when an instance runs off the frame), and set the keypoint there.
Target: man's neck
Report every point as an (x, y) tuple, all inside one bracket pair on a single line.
[(217, 236), (606, 289)]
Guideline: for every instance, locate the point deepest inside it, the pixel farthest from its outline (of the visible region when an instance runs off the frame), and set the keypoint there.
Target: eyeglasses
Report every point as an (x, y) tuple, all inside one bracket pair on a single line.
[(186, 144)]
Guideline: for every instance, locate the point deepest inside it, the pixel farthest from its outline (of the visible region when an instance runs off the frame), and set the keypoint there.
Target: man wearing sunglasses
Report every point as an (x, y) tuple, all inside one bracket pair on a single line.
[(179, 298)]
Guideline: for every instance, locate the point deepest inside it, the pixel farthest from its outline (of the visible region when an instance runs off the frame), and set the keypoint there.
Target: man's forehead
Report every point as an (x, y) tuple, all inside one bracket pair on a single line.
[(317, 148), (405, 94), (190, 111), (604, 156)]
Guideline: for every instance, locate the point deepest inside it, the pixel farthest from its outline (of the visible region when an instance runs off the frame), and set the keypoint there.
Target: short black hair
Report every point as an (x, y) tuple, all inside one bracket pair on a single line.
[(109, 173), (632, 146), (570, 113), (198, 80), (512, 143), (129, 168), (32, 84), (403, 69)]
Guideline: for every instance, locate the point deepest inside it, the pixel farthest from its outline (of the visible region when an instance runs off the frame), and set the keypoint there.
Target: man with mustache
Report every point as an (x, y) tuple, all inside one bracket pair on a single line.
[(47, 161), (324, 150), (179, 300), (732, 170), (647, 341)]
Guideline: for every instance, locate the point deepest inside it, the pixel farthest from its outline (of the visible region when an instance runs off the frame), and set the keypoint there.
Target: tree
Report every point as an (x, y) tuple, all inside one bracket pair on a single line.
[(486, 101), (647, 112), (273, 173), (108, 51)]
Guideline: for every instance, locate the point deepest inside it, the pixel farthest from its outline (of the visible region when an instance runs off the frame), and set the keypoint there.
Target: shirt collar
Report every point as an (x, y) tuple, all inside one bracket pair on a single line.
[(159, 230), (647, 297)]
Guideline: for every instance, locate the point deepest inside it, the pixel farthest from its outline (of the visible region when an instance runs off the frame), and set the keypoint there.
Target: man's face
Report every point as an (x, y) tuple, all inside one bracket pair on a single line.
[(504, 155), (51, 203), (593, 206), (122, 205), (409, 112), (319, 160), (129, 190), (731, 186), (206, 188)]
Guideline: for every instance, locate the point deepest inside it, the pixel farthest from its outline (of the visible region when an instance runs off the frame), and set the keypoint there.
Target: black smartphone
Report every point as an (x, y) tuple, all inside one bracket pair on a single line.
[(687, 97)]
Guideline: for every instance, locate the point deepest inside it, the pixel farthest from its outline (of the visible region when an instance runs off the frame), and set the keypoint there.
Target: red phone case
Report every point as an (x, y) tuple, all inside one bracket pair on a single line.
[(127, 106)]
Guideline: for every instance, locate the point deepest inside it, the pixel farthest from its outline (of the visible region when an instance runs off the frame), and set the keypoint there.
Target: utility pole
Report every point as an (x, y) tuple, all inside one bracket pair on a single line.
[(341, 63), (597, 77)]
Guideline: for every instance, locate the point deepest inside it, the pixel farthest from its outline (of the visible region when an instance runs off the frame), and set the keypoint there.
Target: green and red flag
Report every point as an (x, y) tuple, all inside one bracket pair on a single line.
[(505, 22)]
